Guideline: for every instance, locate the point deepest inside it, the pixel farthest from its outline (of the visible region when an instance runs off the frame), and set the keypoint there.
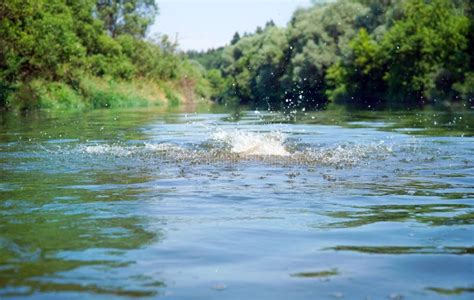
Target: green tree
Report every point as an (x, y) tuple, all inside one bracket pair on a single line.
[(422, 56), (127, 16), (235, 38), (358, 79), (317, 38), (255, 65), (218, 85), (425, 51), (38, 39), (60, 51)]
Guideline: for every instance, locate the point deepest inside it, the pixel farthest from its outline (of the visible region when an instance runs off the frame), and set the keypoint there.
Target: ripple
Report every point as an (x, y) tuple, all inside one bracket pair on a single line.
[(242, 146)]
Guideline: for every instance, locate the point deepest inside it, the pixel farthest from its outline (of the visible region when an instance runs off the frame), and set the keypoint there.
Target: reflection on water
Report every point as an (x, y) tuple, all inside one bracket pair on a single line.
[(407, 250), (144, 203), (320, 274), (451, 292), (429, 214), (49, 229)]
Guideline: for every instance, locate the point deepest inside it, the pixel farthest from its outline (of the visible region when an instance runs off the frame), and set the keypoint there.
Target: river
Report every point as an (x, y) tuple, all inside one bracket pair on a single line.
[(237, 205)]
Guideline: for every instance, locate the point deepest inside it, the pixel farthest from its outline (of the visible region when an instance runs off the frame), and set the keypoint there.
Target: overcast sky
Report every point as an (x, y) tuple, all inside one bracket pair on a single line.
[(203, 24)]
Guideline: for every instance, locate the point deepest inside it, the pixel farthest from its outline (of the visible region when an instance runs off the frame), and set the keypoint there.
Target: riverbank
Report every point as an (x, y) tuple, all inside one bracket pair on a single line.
[(57, 55), (94, 92)]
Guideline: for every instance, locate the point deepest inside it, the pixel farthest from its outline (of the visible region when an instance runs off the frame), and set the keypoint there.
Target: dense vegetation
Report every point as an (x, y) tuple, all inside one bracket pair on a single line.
[(363, 53), (88, 53)]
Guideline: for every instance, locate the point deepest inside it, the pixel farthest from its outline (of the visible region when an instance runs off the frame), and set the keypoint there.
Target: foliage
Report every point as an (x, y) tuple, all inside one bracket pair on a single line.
[(256, 66), (210, 59), (37, 38), (418, 59), (131, 17), (425, 51), (217, 85), (43, 94), (317, 38), (359, 77), (363, 53), (109, 93), (171, 96), (466, 88), (52, 48)]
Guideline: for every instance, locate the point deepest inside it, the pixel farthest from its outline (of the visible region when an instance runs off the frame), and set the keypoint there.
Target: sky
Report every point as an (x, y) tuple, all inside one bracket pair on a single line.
[(204, 24)]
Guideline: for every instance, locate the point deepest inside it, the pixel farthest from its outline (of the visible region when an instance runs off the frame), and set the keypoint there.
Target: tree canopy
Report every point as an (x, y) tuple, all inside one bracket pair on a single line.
[(66, 41), (364, 53), (131, 17)]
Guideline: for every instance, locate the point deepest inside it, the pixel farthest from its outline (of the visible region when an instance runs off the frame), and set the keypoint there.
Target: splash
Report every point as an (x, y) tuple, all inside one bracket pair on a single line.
[(106, 149), (248, 143), (234, 146)]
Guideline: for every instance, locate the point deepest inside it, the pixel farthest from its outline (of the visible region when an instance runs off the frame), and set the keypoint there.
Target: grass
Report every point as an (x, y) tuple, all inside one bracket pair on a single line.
[(92, 92), (49, 95), (100, 93), (173, 98)]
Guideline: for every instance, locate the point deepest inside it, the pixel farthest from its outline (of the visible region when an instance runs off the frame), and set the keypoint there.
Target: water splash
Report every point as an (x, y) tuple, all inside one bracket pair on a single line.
[(106, 149), (248, 143), (234, 146)]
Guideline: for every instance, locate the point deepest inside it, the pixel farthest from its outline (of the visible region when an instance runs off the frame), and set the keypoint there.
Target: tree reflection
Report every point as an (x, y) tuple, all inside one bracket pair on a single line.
[(459, 214), (56, 227)]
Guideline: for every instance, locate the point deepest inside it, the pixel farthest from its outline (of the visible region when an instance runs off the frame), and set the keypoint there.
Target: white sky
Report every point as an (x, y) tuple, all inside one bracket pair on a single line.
[(203, 24)]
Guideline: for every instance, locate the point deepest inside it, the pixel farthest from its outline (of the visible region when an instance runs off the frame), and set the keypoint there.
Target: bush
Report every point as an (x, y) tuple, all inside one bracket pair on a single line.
[(466, 89), (171, 96), (48, 95), (55, 54), (100, 93)]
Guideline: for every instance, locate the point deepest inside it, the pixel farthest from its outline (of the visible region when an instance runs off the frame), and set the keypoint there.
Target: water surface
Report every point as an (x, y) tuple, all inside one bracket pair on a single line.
[(241, 205)]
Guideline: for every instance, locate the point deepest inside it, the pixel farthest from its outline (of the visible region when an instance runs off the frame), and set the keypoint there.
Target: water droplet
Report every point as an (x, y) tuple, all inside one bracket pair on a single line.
[(395, 296)]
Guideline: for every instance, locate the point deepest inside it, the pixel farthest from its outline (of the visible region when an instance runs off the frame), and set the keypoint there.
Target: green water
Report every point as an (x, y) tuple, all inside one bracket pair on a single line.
[(237, 205)]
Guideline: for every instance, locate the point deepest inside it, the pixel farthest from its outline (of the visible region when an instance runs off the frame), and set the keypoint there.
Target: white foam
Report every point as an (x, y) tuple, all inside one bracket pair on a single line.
[(163, 147), (253, 143), (239, 145), (106, 149)]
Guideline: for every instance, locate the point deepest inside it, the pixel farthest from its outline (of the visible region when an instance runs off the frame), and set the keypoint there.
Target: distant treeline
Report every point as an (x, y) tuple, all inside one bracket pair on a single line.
[(88, 53), (362, 53)]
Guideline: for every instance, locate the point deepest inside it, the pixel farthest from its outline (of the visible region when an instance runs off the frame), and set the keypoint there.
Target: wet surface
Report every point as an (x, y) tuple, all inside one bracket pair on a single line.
[(141, 203)]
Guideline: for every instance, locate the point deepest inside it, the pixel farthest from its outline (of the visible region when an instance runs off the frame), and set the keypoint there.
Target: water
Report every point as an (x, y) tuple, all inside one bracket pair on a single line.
[(183, 205)]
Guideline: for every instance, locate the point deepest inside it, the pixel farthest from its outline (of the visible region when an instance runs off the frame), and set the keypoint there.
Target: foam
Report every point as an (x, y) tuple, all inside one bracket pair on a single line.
[(248, 143), (234, 146)]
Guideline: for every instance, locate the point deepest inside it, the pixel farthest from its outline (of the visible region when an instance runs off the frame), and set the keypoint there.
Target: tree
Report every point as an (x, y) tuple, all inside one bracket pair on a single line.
[(255, 68), (366, 53), (425, 51), (317, 36), (235, 38), (38, 39), (131, 17), (270, 24), (51, 50), (357, 80), (421, 57)]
